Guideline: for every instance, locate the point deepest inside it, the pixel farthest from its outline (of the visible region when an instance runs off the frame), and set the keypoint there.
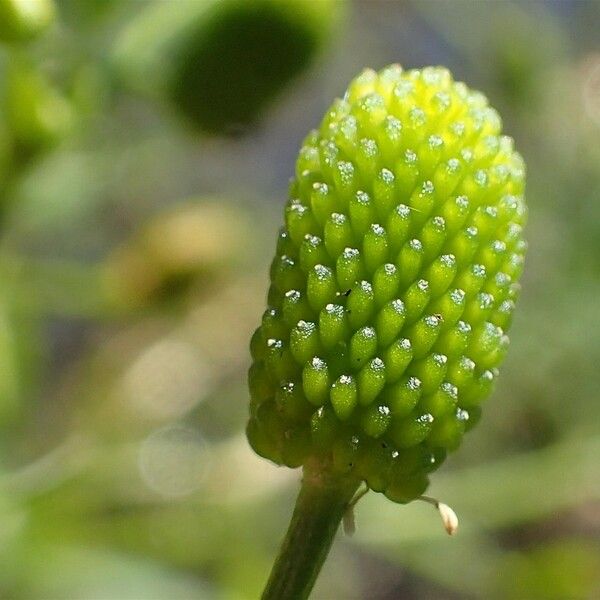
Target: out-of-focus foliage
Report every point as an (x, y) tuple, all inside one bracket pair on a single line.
[(37, 114), (22, 20), (192, 245), (134, 255), (221, 63)]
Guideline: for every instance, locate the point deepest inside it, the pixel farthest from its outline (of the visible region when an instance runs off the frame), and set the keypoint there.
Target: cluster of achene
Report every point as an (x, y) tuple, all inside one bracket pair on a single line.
[(393, 284)]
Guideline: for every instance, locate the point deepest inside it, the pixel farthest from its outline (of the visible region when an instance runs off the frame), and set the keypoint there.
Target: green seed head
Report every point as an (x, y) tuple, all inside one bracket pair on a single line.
[(393, 283)]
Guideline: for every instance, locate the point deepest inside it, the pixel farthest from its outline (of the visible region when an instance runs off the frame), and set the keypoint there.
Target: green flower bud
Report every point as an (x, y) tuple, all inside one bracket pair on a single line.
[(404, 235)]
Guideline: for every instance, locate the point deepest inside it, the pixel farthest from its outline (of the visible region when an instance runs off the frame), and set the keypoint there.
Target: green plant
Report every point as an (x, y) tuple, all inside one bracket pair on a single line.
[(392, 288)]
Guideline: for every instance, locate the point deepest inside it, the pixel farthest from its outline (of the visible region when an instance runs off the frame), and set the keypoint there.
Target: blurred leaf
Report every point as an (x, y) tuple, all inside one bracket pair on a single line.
[(560, 569), (38, 114), (222, 63), (22, 20)]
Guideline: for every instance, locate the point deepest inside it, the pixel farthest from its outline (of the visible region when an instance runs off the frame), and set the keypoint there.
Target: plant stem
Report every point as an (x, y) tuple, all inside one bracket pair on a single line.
[(321, 504)]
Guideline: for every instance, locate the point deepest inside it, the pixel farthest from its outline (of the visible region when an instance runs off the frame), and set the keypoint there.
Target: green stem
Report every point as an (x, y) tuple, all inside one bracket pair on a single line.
[(321, 504)]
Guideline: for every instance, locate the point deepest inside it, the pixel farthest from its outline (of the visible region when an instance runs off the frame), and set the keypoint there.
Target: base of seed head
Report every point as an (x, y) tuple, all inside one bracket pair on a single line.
[(393, 284)]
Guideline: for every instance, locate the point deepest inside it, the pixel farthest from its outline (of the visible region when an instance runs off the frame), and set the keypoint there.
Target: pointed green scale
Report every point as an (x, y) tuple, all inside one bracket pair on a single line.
[(346, 452), (415, 127), (384, 193), (397, 357), (315, 381), (409, 463), (328, 155), (299, 221), (403, 396), (461, 373), (386, 281), (464, 245), (375, 247), (432, 236), (370, 110), (447, 176), (390, 138), (387, 79), (450, 306), (389, 322), (471, 280), (422, 202), (406, 173), (305, 341), (479, 309), (345, 179), (324, 426), (344, 396), (349, 269), (321, 287), (257, 346), (312, 253), (430, 370), (363, 345), (394, 282), (474, 394), (308, 156), (430, 154), (286, 274), (416, 299), (367, 158), (412, 430), (333, 325), (502, 317), (292, 403), (485, 219), (454, 341), (295, 448), (375, 420), (447, 432), (492, 255), (377, 463), (346, 133), (441, 402), (441, 273), (294, 308), (279, 362), (338, 234), (455, 213), (409, 261), (323, 202), (398, 227), (499, 287), (362, 213), (273, 325), (360, 304), (362, 85), (424, 333), (403, 489), (260, 383), (305, 180), (371, 379)]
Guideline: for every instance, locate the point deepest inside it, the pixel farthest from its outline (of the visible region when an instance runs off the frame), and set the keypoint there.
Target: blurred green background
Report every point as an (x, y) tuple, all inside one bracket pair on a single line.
[(145, 149)]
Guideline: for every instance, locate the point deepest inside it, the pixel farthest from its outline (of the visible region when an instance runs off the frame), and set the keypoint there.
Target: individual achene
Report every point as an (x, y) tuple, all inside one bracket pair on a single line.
[(393, 284)]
